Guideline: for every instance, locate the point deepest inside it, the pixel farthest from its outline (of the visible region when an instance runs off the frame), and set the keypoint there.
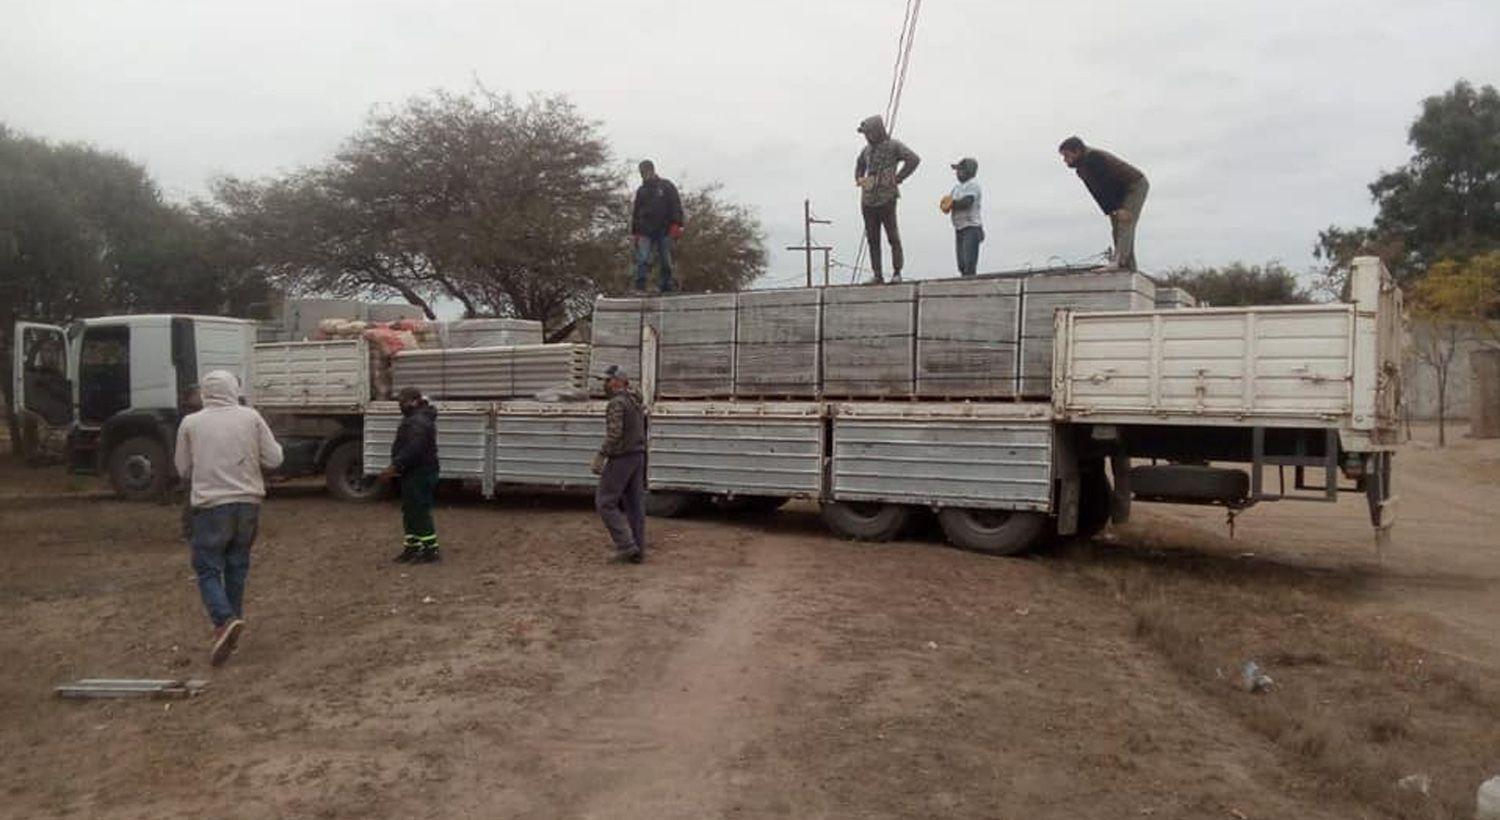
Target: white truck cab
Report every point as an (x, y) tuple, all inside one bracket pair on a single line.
[(119, 385)]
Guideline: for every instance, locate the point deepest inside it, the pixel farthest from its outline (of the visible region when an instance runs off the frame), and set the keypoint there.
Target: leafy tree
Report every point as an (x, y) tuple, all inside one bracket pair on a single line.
[(507, 208), (1443, 203), (1240, 284), (1457, 305)]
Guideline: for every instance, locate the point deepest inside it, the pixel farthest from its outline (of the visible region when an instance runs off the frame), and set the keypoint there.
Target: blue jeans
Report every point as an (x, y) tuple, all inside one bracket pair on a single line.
[(966, 242), (663, 247), (221, 542)]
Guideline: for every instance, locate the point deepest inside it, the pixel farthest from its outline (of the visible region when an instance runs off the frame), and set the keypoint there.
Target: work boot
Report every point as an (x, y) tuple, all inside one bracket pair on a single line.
[(427, 555), (896, 278), (409, 551), (630, 556), (226, 638)]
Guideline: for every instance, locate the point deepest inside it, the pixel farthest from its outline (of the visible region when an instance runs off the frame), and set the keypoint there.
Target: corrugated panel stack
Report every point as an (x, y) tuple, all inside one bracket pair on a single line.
[(776, 342), (491, 332), (1170, 297), (617, 336), (513, 371), (967, 338), (695, 355), (1044, 293), (869, 337)]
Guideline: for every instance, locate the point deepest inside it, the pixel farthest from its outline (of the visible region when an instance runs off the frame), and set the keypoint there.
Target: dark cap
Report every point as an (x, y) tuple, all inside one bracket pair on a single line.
[(615, 371), (969, 162), (407, 394)]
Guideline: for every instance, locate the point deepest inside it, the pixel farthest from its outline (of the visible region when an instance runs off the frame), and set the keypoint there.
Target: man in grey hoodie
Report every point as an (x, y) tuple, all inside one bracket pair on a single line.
[(222, 449), (883, 164)]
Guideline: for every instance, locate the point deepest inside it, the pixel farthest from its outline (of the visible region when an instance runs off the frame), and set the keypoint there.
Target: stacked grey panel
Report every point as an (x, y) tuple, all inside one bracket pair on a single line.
[(490, 332), (776, 345), (967, 338), (869, 337), (1041, 297), (1170, 297), (513, 371), (695, 354), (950, 462), (617, 336)]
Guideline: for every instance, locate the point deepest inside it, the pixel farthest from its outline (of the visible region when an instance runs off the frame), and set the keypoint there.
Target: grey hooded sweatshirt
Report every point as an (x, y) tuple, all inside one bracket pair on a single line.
[(224, 446), (888, 160)]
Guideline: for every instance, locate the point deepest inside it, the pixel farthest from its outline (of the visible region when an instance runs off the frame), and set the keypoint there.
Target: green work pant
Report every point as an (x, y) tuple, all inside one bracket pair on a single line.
[(417, 489)]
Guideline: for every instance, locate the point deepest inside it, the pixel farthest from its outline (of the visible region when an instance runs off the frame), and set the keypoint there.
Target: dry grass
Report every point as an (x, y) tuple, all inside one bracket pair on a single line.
[(1360, 712)]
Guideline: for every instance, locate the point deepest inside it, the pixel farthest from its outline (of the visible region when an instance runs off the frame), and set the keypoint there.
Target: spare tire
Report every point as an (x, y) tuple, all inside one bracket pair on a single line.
[(1190, 483), (866, 520), (995, 532), (666, 504)]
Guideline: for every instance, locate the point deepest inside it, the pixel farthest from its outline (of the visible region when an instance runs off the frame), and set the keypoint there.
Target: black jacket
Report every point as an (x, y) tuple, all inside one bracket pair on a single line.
[(1108, 178), (657, 205), (415, 446)]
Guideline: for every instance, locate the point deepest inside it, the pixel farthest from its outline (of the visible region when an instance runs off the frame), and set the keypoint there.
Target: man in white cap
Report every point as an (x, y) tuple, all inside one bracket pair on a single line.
[(222, 449), (621, 467)]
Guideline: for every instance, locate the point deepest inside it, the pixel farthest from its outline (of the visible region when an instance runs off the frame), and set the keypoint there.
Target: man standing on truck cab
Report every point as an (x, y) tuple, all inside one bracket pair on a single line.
[(1120, 189), (655, 223), (621, 467), (221, 450), (414, 461), (883, 164)]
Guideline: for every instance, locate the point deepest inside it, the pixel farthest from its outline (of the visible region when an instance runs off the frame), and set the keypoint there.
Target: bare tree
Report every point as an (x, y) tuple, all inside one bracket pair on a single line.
[(1437, 347)]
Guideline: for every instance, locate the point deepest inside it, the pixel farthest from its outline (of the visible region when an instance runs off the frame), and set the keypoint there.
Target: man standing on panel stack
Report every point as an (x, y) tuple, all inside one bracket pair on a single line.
[(655, 224), (882, 166)]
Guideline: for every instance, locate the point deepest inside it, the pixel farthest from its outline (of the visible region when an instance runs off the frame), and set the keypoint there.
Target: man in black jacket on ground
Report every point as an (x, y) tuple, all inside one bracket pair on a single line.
[(1119, 188), (414, 459), (655, 223)]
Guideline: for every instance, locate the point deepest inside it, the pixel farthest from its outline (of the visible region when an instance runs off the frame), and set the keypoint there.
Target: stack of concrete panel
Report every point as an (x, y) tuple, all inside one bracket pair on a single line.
[(776, 343), (512, 371), (967, 338), (1170, 297), (869, 338), (490, 332), (617, 336), (1042, 295), (695, 354)]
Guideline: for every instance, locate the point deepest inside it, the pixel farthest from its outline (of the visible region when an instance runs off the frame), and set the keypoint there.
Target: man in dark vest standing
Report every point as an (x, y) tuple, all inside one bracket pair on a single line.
[(1119, 188), (621, 467)]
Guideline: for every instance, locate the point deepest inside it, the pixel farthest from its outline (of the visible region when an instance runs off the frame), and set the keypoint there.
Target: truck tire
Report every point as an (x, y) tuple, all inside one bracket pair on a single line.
[(138, 469), (662, 504), (1093, 503), (1190, 482), (994, 532), (750, 504), (345, 475), (866, 520)]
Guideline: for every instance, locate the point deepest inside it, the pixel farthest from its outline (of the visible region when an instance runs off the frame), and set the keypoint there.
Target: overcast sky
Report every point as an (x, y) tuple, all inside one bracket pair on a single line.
[(1257, 123)]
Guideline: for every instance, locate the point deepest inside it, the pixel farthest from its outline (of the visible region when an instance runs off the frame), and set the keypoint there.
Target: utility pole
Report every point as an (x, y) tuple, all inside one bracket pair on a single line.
[(807, 246)]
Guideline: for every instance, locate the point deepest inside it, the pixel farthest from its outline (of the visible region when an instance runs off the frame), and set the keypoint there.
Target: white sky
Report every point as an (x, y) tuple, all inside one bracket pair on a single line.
[(1257, 123)]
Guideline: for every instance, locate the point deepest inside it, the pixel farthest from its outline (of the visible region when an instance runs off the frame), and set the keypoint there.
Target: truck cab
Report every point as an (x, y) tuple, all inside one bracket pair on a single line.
[(119, 385)]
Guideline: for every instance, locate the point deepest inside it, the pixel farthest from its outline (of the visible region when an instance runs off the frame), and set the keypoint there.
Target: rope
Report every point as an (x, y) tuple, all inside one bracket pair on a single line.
[(904, 44)]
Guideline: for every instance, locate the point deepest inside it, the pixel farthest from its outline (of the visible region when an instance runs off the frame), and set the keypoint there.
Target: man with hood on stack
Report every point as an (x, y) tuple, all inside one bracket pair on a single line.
[(414, 460), (883, 164), (221, 450)]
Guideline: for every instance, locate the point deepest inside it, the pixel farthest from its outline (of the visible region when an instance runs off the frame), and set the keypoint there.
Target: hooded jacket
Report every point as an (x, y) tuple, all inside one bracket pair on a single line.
[(415, 447), (657, 207), (882, 160), (223, 447)]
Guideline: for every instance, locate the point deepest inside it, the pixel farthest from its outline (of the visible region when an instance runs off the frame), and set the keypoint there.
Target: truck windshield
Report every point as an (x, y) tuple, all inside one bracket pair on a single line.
[(103, 373)]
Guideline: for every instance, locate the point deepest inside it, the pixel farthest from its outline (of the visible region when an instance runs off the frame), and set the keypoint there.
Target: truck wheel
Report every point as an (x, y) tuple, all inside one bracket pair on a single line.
[(750, 504), (866, 520), (996, 532), (1093, 504), (138, 469), (671, 505), (345, 475)]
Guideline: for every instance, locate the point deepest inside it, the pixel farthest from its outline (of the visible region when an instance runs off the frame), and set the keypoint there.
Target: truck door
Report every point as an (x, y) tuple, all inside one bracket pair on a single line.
[(40, 382)]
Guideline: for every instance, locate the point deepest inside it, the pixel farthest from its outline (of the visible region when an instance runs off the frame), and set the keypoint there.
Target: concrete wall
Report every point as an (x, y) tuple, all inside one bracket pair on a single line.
[(1419, 379)]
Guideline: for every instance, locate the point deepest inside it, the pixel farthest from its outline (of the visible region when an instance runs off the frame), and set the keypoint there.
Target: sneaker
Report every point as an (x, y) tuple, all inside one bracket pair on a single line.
[(632, 556), (896, 278), (226, 638)]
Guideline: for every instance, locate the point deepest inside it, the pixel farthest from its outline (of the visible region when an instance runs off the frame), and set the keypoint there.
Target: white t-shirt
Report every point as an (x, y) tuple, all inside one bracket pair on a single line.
[(971, 217)]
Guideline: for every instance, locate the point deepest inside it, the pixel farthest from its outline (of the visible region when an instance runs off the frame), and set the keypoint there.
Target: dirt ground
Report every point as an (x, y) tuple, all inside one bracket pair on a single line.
[(760, 667)]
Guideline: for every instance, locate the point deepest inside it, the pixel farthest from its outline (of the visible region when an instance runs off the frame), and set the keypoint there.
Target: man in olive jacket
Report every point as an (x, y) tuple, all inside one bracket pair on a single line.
[(1120, 189), (621, 467)]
